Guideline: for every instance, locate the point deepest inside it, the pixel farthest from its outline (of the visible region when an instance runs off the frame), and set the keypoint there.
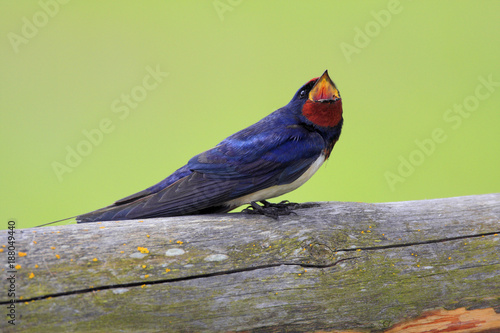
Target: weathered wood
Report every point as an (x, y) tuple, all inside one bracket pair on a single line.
[(357, 266)]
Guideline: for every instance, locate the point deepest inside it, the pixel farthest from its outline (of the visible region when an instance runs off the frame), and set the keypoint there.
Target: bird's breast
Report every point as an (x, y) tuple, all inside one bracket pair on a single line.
[(277, 190)]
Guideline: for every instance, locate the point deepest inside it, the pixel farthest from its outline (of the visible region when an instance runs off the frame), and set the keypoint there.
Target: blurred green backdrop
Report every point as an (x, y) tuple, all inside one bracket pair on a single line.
[(420, 82)]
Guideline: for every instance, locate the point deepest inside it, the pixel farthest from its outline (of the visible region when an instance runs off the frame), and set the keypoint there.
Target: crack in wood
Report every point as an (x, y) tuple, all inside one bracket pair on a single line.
[(246, 269), (432, 241), (184, 278)]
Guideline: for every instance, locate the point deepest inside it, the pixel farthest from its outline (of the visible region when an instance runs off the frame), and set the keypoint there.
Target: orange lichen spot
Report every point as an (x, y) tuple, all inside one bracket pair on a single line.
[(269, 246), (358, 250), (143, 286), (449, 258), (418, 229), (95, 259), (368, 231), (276, 293), (122, 251), (147, 236), (58, 256), (142, 249), (179, 242), (34, 242), (31, 275), (71, 259), (370, 226), (305, 270), (1, 250), (102, 227), (167, 270), (124, 243), (141, 221), (362, 232), (418, 265), (36, 265), (299, 274), (144, 266), (17, 267), (52, 247), (383, 234), (26, 302), (146, 276), (22, 254)]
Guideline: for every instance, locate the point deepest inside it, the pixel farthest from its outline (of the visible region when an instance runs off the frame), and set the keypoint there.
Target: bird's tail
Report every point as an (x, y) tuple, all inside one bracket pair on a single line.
[(92, 216), (82, 217), (49, 223), (109, 213)]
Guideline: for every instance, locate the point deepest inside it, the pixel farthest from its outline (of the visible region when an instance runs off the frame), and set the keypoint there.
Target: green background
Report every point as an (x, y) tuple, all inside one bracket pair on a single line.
[(399, 65)]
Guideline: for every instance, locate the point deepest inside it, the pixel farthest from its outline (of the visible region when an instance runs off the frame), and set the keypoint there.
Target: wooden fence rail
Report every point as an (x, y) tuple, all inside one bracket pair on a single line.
[(340, 266)]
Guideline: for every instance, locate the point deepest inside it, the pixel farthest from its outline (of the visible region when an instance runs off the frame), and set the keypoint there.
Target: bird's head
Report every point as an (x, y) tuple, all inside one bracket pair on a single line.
[(319, 102)]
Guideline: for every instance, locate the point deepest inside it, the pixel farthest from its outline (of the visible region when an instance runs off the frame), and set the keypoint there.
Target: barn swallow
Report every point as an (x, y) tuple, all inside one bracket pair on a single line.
[(271, 157)]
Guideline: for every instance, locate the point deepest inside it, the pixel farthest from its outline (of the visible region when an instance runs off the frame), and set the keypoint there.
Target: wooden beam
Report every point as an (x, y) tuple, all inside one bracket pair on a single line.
[(338, 266)]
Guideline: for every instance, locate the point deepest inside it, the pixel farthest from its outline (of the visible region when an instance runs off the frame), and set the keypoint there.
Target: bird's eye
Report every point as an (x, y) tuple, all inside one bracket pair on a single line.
[(302, 94)]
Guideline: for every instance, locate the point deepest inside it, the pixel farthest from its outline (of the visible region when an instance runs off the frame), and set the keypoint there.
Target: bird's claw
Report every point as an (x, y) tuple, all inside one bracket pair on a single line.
[(274, 210)]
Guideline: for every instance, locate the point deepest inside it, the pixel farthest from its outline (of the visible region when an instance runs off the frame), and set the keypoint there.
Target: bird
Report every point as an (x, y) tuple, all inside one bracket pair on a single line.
[(272, 157)]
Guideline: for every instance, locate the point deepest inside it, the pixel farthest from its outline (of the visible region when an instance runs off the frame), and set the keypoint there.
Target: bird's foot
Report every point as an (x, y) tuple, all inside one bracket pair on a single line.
[(274, 210)]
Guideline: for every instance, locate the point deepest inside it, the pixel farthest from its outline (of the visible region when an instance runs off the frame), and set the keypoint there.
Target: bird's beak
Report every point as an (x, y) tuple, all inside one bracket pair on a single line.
[(324, 90)]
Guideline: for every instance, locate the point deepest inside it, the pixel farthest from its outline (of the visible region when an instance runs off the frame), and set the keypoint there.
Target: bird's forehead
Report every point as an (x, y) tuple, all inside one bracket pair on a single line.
[(312, 80)]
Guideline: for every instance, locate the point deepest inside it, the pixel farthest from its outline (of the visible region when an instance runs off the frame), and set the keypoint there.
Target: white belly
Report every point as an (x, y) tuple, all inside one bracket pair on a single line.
[(277, 190)]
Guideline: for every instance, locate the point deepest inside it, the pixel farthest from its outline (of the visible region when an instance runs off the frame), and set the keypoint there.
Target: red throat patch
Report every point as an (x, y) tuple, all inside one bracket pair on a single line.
[(323, 114)]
